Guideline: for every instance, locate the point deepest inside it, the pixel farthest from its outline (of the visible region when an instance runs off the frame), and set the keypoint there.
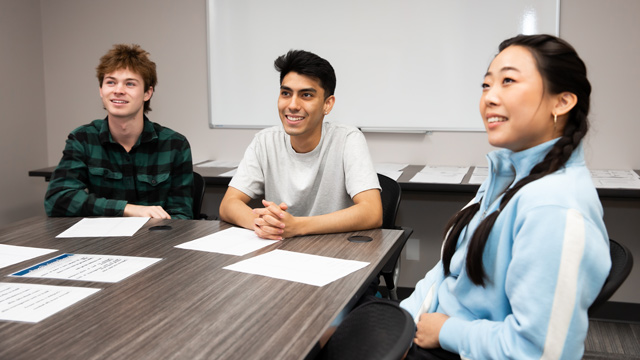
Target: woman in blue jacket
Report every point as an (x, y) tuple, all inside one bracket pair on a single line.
[(522, 263)]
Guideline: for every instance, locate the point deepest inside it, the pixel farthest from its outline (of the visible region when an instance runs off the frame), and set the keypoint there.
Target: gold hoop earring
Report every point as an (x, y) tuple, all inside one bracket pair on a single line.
[(555, 121)]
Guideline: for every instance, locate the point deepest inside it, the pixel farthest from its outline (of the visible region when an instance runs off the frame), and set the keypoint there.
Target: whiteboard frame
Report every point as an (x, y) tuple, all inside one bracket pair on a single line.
[(377, 129)]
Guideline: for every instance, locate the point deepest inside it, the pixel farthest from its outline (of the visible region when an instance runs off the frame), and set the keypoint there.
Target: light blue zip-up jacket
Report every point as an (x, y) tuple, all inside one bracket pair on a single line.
[(546, 259)]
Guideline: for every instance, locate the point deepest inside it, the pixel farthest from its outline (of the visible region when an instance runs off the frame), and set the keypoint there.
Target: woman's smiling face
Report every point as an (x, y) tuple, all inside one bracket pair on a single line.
[(515, 108)]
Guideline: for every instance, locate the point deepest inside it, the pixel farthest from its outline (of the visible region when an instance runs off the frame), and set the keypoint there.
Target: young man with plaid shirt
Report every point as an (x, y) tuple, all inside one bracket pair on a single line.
[(124, 164)]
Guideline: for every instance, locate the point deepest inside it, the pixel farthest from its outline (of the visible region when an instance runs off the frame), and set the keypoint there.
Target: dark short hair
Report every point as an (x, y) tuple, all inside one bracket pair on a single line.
[(308, 64), (134, 58)]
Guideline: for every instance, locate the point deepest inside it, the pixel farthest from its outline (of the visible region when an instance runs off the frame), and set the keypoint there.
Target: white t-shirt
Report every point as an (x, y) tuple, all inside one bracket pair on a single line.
[(319, 182)]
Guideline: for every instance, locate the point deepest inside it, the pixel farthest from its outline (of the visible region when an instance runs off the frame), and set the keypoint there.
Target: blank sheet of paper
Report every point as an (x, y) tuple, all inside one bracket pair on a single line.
[(12, 254), (303, 268), (102, 227), (232, 241), (32, 302)]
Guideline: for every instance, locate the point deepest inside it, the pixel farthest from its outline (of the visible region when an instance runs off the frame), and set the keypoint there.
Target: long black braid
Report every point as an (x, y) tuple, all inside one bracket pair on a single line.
[(562, 71)]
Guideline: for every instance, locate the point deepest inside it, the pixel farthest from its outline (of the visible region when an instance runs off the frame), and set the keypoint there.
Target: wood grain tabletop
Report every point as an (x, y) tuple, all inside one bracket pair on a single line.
[(185, 306)]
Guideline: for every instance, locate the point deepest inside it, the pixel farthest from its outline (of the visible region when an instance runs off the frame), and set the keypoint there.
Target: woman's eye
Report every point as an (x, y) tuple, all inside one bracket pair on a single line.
[(507, 81), (485, 86)]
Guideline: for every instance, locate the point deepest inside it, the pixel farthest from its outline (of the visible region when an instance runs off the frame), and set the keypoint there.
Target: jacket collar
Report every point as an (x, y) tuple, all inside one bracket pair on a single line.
[(507, 167)]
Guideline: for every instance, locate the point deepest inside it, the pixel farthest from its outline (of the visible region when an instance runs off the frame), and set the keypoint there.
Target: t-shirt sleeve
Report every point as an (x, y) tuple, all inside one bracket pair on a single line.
[(360, 174), (249, 177)]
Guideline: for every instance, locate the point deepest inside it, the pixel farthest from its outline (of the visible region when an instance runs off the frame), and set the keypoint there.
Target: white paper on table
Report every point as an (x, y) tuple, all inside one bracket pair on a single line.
[(383, 167), (220, 163), (391, 170), (102, 227), (229, 173), (12, 254), (395, 175), (232, 241), (303, 268), (615, 179), (441, 174), (479, 174), (85, 267), (33, 303)]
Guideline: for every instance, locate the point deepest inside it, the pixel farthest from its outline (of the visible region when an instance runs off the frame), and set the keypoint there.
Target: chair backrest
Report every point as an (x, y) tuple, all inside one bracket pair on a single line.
[(621, 264), (197, 194), (374, 330), (391, 193)]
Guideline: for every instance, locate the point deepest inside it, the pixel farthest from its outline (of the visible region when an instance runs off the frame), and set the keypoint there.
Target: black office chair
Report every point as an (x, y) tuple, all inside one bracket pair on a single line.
[(197, 193), (391, 194), (375, 330), (621, 264)]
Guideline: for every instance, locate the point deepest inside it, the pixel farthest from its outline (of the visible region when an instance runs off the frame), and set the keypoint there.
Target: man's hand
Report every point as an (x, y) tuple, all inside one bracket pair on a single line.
[(428, 330), (271, 221), (156, 212)]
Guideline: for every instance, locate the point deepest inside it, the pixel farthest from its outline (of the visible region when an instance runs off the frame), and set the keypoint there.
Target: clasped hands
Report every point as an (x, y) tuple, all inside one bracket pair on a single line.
[(273, 221)]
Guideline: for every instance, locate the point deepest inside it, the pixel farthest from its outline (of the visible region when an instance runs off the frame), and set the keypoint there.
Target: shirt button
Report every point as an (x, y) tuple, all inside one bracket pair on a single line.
[(153, 182)]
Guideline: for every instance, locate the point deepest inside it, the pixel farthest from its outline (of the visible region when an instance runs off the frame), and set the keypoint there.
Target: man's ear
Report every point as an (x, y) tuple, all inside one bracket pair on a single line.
[(565, 102), (328, 104), (148, 93)]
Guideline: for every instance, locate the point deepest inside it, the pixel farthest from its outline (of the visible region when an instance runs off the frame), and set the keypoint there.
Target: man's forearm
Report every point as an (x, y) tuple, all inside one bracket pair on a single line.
[(354, 218), (238, 213)]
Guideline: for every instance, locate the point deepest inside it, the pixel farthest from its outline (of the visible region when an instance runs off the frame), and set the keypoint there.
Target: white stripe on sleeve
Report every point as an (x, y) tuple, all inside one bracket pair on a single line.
[(564, 298)]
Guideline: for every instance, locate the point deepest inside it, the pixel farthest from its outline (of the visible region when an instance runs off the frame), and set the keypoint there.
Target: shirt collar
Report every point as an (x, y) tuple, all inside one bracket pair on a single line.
[(148, 132)]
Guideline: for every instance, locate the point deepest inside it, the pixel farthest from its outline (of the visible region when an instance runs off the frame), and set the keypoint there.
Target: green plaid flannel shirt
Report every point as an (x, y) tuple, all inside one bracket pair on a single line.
[(97, 177)]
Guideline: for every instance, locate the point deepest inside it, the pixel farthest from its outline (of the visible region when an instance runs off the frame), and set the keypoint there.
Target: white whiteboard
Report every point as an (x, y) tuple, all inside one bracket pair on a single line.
[(400, 65)]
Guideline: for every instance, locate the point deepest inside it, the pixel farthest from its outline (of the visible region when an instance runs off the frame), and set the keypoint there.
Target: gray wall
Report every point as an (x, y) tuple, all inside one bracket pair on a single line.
[(55, 45), (23, 139)]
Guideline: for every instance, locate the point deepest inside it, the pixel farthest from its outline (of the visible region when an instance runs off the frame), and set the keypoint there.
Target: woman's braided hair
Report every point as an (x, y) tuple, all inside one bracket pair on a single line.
[(562, 70)]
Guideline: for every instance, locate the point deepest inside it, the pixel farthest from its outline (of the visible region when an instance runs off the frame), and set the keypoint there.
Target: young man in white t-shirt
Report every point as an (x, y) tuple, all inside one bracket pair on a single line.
[(312, 176)]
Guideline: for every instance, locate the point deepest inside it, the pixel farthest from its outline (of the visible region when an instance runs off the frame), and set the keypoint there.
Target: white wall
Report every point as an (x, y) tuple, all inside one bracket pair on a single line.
[(22, 114), (76, 33)]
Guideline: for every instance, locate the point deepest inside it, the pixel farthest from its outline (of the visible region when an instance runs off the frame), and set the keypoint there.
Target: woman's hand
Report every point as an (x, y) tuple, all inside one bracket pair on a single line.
[(428, 330)]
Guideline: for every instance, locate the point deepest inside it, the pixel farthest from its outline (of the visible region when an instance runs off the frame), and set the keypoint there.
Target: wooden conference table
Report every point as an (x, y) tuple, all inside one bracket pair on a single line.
[(185, 306), (212, 177)]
